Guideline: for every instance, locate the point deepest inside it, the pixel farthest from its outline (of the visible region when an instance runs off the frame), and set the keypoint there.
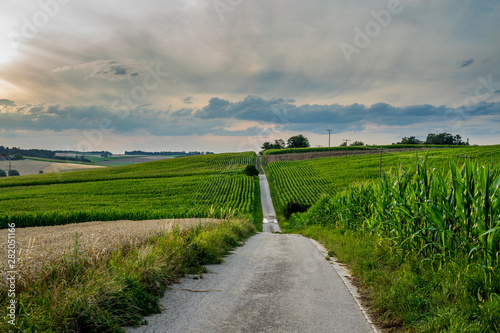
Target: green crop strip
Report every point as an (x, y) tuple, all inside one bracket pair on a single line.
[(424, 239), (199, 186)]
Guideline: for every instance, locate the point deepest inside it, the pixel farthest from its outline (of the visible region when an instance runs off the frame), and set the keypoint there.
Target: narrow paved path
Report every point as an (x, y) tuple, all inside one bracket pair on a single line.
[(274, 283), (270, 223)]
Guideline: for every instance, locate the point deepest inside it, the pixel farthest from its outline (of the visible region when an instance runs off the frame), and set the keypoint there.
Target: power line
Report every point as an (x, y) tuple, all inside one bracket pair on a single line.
[(346, 140), (329, 130)]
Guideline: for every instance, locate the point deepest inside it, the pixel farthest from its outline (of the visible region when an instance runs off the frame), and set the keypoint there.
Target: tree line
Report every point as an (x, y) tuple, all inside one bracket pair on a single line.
[(435, 139), (41, 153), (298, 141)]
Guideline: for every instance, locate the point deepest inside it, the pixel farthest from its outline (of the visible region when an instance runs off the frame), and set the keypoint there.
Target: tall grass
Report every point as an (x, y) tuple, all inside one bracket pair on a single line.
[(83, 295)]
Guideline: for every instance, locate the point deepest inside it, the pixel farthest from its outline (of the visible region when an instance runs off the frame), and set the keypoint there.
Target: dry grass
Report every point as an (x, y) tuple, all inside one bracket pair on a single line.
[(46, 246), (58, 167)]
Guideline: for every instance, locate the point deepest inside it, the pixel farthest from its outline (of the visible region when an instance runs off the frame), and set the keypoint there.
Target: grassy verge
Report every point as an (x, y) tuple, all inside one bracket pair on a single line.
[(257, 213), (411, 294), (79, 295)]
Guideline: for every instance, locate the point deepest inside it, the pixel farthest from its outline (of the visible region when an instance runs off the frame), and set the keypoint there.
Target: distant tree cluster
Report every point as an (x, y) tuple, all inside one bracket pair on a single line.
[(410, 141), (11, 173), (167, 153), (444, 139), (14, 151), (354, 144), (434, 139), (297, 141)]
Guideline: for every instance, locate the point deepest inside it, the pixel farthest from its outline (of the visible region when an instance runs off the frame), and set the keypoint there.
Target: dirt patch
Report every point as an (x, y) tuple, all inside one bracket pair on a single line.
[(30, 167)]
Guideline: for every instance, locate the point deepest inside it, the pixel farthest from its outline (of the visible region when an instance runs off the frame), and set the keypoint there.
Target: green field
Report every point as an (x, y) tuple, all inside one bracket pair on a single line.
[(423, 240), (308, 180), (342, 148), (198, 186)]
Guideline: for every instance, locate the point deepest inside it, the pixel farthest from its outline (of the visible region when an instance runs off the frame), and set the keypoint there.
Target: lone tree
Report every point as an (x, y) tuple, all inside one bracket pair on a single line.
[(13, 173), (298, 141), (251, 170), (18, 156)]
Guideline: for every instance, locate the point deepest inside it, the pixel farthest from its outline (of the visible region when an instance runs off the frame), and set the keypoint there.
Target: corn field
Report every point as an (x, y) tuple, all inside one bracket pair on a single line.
[(198, 187), (441, 215)]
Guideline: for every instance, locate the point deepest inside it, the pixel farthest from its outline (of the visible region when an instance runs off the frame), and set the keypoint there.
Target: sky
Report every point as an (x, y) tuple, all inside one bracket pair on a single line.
[(228, 75)]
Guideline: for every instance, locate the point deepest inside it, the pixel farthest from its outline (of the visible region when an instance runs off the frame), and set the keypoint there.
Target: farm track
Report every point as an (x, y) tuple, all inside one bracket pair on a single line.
[(275, 283)]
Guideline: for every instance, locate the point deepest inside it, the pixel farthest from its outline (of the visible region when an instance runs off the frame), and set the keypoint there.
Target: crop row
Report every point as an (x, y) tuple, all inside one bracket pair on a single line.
[(337, 148), (442, 216), (216, 188), (176, 167), (307, 180)]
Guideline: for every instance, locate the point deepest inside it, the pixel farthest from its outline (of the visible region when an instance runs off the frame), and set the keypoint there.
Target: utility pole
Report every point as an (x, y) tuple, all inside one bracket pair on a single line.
[(346, 140), (329, 130)]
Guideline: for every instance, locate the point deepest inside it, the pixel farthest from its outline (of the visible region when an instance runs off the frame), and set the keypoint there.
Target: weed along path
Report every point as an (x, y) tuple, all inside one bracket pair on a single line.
[(274, 283)]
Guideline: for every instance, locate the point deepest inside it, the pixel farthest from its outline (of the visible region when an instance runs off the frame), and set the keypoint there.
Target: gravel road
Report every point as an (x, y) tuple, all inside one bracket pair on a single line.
[(274, 283)]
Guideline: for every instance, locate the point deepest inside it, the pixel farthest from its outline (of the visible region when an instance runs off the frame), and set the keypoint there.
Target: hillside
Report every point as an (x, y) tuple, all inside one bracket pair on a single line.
[(198, 186)]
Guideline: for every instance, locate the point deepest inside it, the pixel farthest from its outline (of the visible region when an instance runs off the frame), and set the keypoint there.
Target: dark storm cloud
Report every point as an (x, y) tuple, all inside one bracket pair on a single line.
[(465, 63), (355, 116), (111, 70), (225, 118), (7, 102), (188, 100)]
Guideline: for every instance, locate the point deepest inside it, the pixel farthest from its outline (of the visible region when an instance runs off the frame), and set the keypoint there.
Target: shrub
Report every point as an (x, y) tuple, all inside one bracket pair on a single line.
[(294, 207), (251, 170), (3, 173), (13, 173)]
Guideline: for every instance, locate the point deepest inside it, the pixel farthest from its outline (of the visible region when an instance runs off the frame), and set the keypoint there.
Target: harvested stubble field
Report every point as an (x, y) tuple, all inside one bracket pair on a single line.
[(47, 246), (87, 290)]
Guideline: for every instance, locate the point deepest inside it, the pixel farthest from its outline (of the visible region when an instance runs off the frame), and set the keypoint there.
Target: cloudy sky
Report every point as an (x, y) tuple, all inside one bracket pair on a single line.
[(227, 75)]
